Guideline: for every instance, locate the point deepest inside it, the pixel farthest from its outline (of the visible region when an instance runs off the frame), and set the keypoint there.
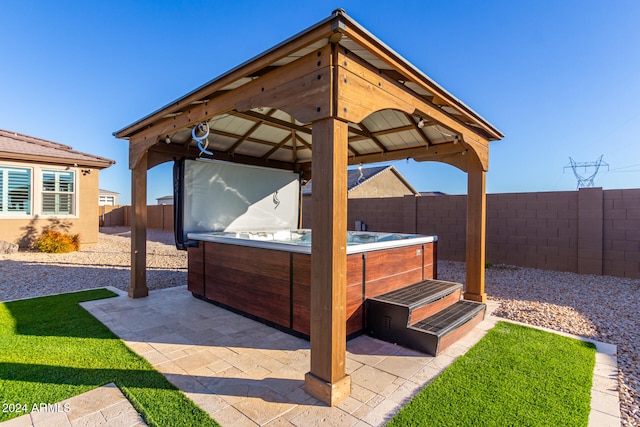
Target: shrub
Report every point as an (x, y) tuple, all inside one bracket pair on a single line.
[(55, 242)]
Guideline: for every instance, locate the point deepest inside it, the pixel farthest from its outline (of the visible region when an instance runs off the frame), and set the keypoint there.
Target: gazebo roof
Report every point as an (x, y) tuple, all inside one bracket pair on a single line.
[(279, 137)]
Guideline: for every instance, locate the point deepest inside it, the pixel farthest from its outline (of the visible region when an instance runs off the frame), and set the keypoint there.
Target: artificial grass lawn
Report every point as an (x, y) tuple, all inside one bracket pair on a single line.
[(515, 376), (52, 349)]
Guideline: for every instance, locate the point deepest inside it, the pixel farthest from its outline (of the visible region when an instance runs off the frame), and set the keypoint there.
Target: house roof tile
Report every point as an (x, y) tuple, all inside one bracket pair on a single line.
[(16, 146)]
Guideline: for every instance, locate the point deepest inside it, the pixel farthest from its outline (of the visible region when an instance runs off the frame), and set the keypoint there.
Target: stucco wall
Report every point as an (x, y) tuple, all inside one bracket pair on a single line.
[(85, 222), (384, 184)]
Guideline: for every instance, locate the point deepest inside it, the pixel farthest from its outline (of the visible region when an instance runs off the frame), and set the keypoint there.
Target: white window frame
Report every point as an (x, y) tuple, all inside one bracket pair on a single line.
[(57, 192), (4, 212)]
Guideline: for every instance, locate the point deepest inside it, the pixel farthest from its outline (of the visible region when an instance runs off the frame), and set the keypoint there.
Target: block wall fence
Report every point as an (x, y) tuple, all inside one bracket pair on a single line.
[(590, 231)]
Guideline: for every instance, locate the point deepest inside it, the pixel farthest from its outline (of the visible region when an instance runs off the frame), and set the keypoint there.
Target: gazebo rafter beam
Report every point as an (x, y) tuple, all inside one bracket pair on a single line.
[(247, 134)]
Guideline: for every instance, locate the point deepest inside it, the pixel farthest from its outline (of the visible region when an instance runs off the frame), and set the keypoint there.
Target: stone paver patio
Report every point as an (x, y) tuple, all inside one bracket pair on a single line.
[(244, 373)]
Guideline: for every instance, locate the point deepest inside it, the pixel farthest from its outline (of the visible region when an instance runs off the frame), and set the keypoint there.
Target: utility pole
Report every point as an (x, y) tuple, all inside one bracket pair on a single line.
[(592, 167)]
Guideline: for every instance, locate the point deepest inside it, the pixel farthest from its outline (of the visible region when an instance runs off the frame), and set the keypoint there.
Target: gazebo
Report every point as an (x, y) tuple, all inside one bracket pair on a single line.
[(331, 96)]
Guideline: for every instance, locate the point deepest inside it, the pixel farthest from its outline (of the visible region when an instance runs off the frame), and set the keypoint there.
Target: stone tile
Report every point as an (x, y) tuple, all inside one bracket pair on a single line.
[(600, 419), (399, 366), (367, 359), (606, 384), (155, 357), (116, 410), (209, 402), (606, 403), (230, 416), (442, 361), (195, 361), (280, 422), (404, 393), (92, 401), (361, 394), (382, 413), (264, 406), (426, 374), (607, 359), (300, 397), (320, 416), (92, 420), (21, 421), (350, 404), (352, 365), (139, 347), (372, 379)]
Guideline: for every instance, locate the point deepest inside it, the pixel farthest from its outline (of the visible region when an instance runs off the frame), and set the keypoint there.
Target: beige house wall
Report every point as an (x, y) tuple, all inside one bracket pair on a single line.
[(23, 231), (384, 184)]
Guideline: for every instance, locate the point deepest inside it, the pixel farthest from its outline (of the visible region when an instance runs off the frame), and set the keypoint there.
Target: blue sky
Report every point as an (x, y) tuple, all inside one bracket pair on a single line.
[(558, 78)]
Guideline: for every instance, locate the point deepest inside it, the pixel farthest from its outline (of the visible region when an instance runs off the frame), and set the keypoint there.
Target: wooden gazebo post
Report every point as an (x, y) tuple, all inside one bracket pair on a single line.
[(476, 230), (327, 379), (138, 285)]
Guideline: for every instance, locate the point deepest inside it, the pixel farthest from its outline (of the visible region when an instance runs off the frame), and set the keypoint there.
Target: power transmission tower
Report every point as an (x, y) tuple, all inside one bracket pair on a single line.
[(593, 167)]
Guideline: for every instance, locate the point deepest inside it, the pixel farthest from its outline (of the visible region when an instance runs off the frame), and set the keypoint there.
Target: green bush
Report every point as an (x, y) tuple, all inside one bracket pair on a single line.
[(55, 242)]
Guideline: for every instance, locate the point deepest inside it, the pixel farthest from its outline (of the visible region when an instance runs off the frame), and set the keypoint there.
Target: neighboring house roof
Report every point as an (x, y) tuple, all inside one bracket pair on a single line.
[(101, 191), (16, 146), (354, 179), (432, 193)]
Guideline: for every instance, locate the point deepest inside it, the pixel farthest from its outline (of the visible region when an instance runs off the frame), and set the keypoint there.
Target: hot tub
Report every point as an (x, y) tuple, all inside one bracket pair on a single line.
[(266, 275)]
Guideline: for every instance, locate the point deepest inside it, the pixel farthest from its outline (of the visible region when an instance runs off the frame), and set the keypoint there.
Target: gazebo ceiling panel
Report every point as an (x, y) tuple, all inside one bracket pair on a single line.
[(282, 115), (418, 89), (384, 120), (270, 134), (300, 53), (230, 124), (363, 53), (397, 140), (236, 84), (253, 150), (365, 146), (437, 134)]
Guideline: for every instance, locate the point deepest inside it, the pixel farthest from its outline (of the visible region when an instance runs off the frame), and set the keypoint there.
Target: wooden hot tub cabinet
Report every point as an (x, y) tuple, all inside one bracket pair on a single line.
[(274, 285)]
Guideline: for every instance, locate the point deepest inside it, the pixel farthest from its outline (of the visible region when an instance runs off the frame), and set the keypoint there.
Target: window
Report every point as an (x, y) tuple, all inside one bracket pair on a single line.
[(57, 192), (15, 191), (106, 200)]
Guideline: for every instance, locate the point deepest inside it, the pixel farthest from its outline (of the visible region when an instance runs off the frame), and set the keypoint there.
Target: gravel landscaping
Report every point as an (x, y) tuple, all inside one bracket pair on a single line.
[(600, 307)]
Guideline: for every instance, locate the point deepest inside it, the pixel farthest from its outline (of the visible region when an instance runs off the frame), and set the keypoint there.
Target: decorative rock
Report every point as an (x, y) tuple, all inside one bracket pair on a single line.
[(8, 248)]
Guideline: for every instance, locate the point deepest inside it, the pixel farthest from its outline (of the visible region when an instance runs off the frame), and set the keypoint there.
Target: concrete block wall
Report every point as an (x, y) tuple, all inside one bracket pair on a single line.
[(621, 233), (445, 217), (589, 231), (533, 230)]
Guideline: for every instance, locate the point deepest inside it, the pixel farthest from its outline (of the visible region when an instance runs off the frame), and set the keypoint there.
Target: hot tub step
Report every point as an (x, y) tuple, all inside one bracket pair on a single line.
[(434, 334), (427, 316), (415, 302)]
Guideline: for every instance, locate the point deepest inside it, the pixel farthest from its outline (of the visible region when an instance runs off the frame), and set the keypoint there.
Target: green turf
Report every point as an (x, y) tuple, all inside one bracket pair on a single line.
[(515, 376), (52, 349)]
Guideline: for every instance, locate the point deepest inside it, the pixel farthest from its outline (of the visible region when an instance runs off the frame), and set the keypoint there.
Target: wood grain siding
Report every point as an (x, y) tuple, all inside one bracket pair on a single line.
[(355, 302), (429, 261), (392, 269), (253, 280), (195, 274), (276, 285), (302, 293)]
